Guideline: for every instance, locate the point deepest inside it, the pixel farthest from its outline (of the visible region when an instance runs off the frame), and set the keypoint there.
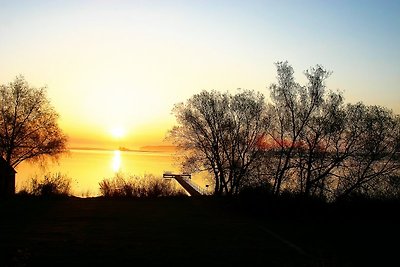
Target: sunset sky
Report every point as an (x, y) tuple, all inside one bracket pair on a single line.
[(114, 69)]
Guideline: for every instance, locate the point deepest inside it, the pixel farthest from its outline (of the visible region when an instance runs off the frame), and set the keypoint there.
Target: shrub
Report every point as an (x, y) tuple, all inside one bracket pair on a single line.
[(51, 185), (137, 187)]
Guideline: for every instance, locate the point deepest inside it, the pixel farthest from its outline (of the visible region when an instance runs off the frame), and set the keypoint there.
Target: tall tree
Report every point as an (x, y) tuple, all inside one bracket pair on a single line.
[(28, 124), (292, 108), (374, 161), (320, 147), (220, 133)]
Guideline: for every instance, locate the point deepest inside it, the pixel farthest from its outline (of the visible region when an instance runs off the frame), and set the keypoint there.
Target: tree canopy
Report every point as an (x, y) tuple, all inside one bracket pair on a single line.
[(220, 133), (28, 124), (324, 147), (306, 140)]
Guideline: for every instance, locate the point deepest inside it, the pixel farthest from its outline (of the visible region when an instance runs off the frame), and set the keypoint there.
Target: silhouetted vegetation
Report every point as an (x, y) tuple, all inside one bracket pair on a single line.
[(28, 125), (323, 147), (51, 185), (220, 133), (306, 141), (138, 187)]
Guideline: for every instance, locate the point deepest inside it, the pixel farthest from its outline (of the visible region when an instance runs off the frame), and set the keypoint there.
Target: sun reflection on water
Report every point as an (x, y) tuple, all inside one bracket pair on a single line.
[(116, 161), (87, 168)]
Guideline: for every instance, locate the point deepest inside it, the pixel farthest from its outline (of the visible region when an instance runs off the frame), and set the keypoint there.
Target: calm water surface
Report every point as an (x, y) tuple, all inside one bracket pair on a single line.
[(87, 168)]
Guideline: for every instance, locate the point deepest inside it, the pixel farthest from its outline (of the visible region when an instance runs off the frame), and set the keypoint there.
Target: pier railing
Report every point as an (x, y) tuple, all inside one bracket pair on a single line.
[(185, 181)]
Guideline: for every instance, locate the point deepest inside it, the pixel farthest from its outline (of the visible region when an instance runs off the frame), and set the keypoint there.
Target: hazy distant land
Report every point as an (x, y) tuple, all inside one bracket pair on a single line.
[(148, 148)]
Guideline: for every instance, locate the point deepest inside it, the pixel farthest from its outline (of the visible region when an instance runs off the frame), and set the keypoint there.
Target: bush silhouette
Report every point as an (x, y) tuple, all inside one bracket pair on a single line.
[(138, 187), (51, 185)]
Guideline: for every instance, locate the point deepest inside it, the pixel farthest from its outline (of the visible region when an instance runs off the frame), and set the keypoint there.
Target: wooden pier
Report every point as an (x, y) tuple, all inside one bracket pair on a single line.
[(184, 181)]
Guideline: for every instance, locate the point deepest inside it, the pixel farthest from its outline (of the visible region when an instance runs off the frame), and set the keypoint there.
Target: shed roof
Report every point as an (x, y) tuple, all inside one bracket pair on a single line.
[(4, 166)]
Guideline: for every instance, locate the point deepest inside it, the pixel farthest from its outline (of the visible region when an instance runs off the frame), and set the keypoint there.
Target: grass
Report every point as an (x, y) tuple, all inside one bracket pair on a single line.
[(194, 231), (138, 187)]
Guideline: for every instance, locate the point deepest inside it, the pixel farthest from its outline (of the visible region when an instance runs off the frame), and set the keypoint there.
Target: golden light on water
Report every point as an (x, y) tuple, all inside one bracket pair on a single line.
[(116, 162), (87, 168)]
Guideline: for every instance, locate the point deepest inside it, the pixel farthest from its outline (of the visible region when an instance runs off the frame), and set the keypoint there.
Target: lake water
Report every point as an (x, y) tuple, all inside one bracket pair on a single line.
[(87, 168)]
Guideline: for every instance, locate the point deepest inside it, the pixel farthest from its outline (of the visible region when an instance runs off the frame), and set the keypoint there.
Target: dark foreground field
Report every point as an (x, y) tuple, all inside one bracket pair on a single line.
[(195, 232)]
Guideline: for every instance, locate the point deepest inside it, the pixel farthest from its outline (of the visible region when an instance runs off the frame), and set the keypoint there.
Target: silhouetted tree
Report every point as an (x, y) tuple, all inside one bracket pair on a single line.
[(221, 133), (373, 163), (292, 109), (28, 124), (322, 148), (317, 146), (305, 141)]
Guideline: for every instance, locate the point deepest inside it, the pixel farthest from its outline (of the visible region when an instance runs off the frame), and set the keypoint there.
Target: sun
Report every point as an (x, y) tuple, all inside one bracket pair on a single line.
[(117, 132)]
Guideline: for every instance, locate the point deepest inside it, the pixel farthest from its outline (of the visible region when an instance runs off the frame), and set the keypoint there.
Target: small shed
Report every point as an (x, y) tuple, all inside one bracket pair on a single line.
[(7, 179)]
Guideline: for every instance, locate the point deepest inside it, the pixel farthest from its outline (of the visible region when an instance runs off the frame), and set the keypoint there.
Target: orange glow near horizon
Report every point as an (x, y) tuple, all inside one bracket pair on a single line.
[(129, 136)]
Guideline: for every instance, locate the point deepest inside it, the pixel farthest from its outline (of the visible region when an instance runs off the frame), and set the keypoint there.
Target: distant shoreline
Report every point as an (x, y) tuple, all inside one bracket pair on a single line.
[(159, 149)]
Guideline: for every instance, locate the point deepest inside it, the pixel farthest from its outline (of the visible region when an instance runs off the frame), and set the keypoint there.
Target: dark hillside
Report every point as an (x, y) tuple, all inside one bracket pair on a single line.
[(190, 231)]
